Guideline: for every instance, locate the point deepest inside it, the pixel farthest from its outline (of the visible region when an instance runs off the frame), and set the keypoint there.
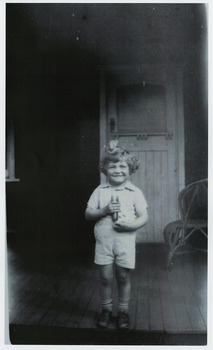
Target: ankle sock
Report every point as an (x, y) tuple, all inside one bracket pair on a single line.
[(123, 304), (106, 304)]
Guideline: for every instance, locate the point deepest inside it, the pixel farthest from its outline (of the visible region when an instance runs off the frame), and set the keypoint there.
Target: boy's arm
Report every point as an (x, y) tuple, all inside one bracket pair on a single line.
[(128, 226), (94, 214)]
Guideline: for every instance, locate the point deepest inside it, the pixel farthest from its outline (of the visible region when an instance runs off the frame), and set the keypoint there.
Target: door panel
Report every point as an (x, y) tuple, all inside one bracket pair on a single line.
[(136, 110), (153, 177)]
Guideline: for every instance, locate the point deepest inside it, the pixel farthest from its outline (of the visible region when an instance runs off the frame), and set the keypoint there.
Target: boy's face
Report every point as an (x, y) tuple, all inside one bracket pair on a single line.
[(117, 172)]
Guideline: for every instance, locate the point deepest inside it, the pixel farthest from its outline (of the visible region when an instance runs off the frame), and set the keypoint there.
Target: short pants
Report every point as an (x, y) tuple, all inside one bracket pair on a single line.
[(112, 246)]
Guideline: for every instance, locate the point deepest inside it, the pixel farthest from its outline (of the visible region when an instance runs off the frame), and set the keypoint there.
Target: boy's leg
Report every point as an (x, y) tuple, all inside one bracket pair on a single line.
[(106, 279), (124, 290)]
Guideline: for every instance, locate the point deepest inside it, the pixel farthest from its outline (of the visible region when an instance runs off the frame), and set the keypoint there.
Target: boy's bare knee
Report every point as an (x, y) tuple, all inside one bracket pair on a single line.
[(122, 275), (106, 280), (122, 279)]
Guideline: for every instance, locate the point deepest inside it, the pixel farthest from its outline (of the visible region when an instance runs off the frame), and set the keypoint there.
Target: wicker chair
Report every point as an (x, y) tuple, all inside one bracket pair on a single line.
[(192, 201)]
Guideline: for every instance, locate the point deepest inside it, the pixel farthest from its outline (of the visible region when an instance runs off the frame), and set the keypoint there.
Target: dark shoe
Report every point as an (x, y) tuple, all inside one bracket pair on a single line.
[(104, 318), (123, 320)]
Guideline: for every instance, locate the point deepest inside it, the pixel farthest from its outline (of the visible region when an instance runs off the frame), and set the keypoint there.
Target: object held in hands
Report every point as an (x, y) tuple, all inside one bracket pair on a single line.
[(114, 215)]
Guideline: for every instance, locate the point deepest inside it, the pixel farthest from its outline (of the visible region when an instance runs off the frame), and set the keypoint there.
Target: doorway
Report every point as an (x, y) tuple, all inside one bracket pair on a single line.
[(142, 107)]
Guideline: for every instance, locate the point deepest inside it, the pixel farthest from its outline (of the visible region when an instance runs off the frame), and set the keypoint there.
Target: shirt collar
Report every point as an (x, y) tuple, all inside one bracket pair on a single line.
[(128, 185)]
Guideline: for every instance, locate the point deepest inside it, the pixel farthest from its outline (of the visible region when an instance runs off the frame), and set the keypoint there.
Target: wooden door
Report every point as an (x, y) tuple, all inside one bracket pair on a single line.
[(142, 109)]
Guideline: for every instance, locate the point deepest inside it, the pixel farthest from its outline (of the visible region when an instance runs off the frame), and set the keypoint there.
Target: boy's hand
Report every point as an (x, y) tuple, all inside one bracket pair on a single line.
[(123, 226), (112, 208)]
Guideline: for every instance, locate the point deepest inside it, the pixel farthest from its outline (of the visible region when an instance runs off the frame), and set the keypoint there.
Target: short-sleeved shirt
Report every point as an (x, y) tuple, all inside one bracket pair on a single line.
[(111, 244)]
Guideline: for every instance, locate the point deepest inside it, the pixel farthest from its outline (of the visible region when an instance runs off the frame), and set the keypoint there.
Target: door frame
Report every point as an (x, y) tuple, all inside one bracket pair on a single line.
[(165, 74)]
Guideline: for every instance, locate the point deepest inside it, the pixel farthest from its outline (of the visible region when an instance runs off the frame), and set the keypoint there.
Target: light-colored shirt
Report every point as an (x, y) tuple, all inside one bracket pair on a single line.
[(131, 198)]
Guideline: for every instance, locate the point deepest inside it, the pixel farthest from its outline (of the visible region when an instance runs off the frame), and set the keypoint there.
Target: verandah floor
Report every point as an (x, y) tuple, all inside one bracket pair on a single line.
[(59, 303)]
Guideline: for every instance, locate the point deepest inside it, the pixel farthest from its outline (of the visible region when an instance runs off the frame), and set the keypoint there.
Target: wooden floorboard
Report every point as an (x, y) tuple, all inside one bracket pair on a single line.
[(197, 291), (59, 312), (155, 306), (134, 299), (178, 300), (89, 317), (142, 308), (23, 307), (167, 305), (67, 295), (64, 304), (85, 294)]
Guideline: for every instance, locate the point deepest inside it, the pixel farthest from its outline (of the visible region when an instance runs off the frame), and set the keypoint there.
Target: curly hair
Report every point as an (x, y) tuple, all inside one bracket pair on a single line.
[(115, 153)]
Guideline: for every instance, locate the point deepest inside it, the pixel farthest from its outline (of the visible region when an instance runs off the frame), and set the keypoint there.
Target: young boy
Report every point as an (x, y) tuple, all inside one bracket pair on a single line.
[(119, 209)]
